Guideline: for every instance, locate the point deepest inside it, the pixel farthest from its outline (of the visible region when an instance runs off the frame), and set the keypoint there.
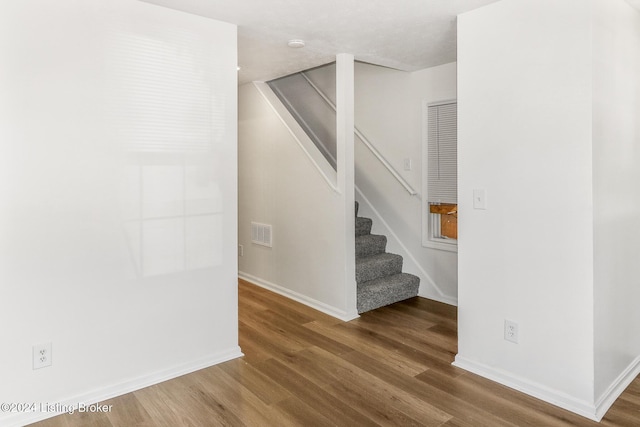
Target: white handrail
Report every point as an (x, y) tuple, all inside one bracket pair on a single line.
[(366, 142)]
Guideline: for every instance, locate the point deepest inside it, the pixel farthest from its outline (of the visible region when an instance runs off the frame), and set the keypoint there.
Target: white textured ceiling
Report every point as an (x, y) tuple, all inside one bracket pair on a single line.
[(403, 34)]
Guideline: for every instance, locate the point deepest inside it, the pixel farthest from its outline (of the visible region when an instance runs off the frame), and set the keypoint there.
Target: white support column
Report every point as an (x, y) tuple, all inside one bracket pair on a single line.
[(346, 168)]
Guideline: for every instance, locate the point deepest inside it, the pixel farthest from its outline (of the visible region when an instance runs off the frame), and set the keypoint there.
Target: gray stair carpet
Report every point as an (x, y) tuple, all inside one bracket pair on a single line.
[(370, 244), (379, 274), (363, 226)]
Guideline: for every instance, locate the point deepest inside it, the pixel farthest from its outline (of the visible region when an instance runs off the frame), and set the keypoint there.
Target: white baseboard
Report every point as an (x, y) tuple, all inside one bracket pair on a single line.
[(437, 297), (109, 392), (303, 299), (539, 391), (617, 387)]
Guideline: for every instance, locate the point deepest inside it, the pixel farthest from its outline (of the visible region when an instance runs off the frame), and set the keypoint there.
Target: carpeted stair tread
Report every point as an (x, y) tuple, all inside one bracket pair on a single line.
[(363, 226), (387, 290), (375, 266), (370, 244)]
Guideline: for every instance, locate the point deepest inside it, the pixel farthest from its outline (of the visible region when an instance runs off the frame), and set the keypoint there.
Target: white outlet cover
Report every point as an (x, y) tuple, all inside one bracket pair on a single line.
[(511, 331), (42, 355)]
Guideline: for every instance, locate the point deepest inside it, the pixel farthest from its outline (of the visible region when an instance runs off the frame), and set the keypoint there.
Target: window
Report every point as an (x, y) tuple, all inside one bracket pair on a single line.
[(440, 204)]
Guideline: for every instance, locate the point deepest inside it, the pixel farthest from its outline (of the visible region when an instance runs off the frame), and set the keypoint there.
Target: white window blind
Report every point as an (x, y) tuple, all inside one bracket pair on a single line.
[(164, 90), (442, 153)]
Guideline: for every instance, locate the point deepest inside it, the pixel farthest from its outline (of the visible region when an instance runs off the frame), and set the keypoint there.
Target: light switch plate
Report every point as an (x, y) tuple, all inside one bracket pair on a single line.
[(480, 198)]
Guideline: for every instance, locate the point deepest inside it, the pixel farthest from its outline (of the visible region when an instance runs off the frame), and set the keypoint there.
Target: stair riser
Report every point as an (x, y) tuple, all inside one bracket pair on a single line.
[(372, 245), (375, 270), (379, 294), (363, 226)]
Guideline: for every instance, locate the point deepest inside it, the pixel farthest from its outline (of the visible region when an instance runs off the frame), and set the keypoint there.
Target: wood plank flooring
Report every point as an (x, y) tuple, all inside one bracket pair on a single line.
[(390, 367)]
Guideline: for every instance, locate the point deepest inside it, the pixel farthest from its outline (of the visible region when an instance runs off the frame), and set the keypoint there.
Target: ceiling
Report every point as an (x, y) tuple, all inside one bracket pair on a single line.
[(404, 34)]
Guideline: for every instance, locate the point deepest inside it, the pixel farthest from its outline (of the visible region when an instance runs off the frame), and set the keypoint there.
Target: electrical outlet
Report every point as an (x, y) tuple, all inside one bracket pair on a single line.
[(240, 250), (511, 331), (407, 164), (42, 355)]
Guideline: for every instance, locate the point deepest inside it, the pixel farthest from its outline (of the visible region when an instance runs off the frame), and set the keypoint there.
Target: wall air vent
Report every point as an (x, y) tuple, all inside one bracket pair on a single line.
[(261, 234)]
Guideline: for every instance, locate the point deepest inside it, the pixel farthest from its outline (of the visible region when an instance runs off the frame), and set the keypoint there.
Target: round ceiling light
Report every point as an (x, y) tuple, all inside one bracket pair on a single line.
[(295, 43)]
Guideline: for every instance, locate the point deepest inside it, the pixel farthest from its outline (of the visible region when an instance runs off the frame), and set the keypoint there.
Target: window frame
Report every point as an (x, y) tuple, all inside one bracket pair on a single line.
[(431, 222)]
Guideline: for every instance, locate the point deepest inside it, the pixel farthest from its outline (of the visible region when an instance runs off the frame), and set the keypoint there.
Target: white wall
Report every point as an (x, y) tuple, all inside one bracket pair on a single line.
[(280, 185), (524, 135), (388, 110), (616, 156), (118, 246)]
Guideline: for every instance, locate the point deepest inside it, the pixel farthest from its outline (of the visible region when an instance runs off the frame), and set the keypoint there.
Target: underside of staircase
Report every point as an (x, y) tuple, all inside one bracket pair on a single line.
[(379, 274)]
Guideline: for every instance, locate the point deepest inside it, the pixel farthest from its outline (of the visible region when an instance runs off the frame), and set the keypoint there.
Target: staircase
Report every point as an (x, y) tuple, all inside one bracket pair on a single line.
[(379, 274)]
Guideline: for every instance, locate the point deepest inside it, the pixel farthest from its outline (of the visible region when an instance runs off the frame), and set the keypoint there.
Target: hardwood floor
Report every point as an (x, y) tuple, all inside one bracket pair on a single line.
[(301, 367)]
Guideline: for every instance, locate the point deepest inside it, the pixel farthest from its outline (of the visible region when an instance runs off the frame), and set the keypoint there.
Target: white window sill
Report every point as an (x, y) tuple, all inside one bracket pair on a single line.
[(442, 245)]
